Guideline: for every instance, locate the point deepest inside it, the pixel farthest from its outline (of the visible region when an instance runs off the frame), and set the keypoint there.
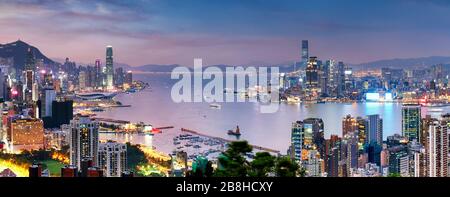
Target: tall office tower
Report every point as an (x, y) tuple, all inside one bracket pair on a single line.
[(333, 162), (92, 77), (330, 65), (98, 74), (82, 80), (374, 129), (28, 85), (325, 79), (349, 125), (305, 52), (128, 78), (297, 136), (109, 68), (436, 149), (112, 158), (312, 78), (351, 142), (340, 84), (399, 160), (314, 134), (330, 144), (348, 80), (119, 77), (47, 98), (83, 140), (362, 123), (411, 122)]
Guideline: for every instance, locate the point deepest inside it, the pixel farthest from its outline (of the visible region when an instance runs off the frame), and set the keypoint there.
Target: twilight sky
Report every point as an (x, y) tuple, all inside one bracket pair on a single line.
[(228, 31)]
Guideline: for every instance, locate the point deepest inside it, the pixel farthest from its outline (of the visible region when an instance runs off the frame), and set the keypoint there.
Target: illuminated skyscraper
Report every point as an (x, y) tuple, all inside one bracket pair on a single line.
[(297, 136), (436, 149), (109, 71), (349, 125), (98, 74), (307, 135), (83, 140), (411, 122), (305, 52), (374, 129), (312, 78)]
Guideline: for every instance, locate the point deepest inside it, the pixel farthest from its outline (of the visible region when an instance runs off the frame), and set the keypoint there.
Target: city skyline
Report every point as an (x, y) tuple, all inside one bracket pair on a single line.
[(256, 32)]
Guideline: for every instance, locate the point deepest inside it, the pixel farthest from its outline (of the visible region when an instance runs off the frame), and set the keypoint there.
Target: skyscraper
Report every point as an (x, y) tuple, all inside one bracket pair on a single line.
[(374, 129), (82, 76), (112, 158), (128, 78), (399, 160), (109, 68), (411, 122), (305, 52), (314, 134), (297, 135), (312, 78), (48, 96), (119, 77), (340, 76), (98, 74), (83, 140), (436, 149), (349, 125)]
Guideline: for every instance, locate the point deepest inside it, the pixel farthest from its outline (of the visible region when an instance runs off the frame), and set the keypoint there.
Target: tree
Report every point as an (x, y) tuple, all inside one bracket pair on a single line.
[(232, 162), (135, 156), (285, 167), (262, 164)]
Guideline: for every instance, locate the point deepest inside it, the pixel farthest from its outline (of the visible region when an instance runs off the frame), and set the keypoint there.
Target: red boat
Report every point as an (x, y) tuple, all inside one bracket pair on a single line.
[(236, 133)]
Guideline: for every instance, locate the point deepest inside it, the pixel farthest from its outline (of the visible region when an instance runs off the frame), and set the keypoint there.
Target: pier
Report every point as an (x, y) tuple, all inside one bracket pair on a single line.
[(227, 140)]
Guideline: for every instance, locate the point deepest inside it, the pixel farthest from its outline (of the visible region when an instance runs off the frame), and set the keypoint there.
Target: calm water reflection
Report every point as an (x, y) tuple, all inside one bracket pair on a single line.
[(155, 106)]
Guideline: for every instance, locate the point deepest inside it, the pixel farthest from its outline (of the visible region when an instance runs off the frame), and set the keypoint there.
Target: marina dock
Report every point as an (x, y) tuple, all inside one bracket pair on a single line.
[(227, 140)]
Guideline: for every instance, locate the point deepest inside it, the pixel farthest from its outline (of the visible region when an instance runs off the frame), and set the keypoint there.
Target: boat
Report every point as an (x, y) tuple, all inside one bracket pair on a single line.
[(293, 99), (235, 133), (97, 109), (215, 106)]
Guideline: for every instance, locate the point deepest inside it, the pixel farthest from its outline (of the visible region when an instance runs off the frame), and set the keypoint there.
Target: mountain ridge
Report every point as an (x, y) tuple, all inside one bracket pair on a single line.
[(18, 51)]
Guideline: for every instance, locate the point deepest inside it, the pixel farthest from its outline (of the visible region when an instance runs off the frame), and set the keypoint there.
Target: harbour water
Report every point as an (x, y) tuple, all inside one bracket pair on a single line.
[(155, 106)]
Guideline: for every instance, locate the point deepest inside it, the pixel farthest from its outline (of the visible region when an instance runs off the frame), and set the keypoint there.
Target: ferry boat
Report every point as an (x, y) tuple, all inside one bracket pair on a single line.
[(215, 106), (235, 133)]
